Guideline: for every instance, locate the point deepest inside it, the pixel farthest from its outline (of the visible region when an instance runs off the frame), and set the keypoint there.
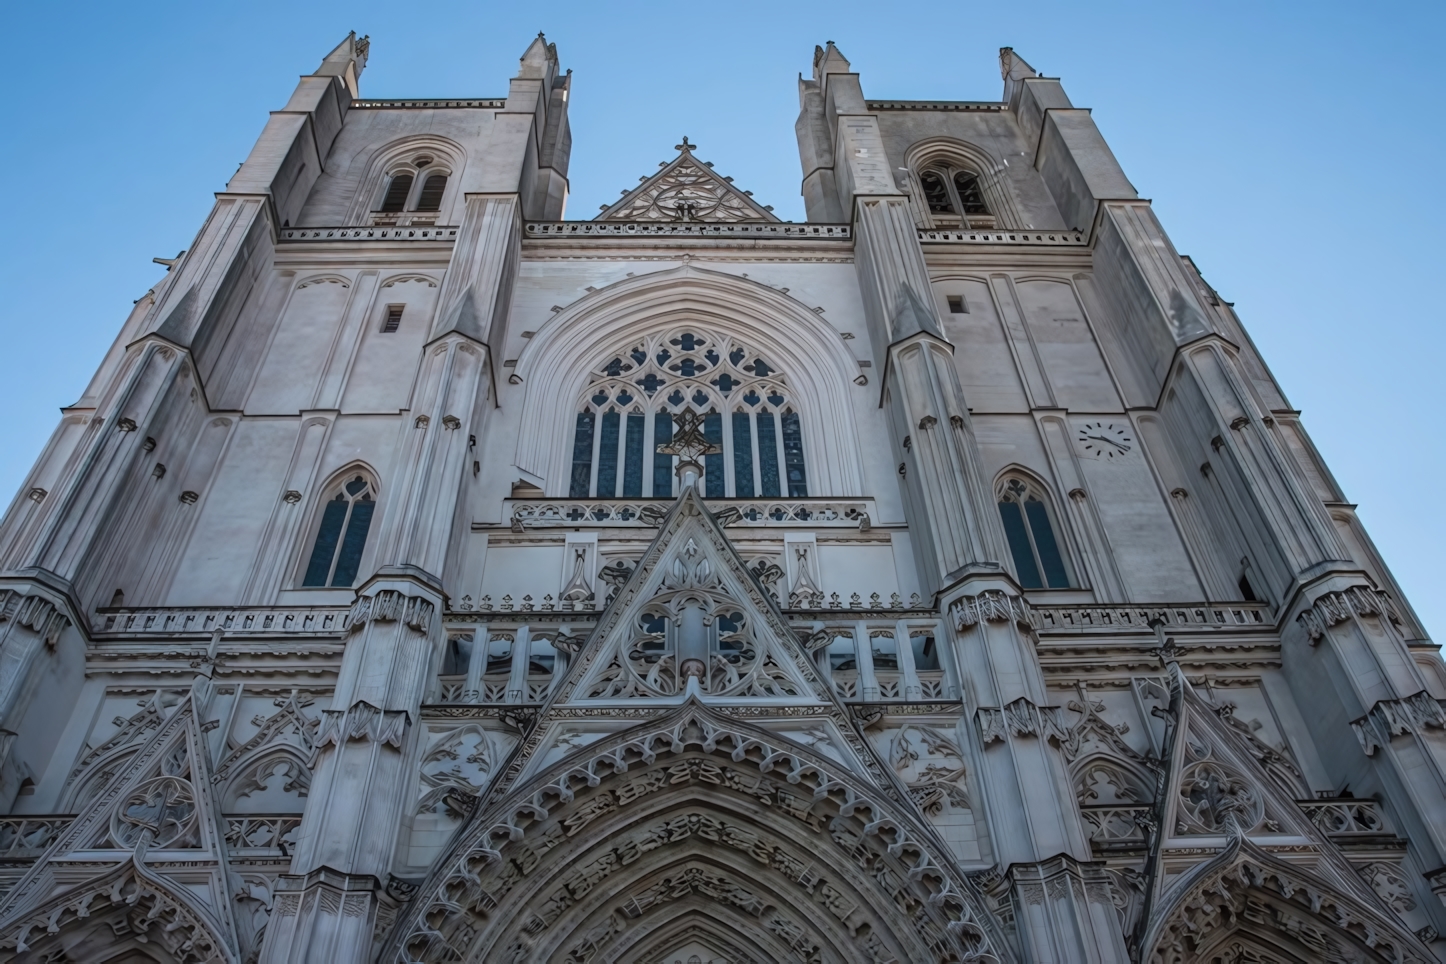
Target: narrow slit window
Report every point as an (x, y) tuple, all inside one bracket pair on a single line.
[(768, 454), (662, 464), (713, 466), (341, 537), (398, 191), (432, 190), (793, 456), (742, 456), (393, 321), (633, 458), (957, 305), (582, 455), (607, 456)]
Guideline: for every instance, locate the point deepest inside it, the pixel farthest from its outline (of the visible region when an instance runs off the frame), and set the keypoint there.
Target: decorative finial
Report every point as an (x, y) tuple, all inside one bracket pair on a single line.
[(685, 146)]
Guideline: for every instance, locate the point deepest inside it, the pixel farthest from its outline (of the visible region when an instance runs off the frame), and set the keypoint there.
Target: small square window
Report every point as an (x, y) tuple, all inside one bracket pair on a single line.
[(394, 318), (957, 306)]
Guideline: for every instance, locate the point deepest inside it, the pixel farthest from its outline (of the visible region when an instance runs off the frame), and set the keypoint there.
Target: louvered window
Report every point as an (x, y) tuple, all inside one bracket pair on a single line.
[(393, 320), (432, 190), (398, 191)]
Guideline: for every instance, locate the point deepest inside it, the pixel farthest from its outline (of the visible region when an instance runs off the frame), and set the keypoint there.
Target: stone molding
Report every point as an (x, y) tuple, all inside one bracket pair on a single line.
[(1020, 718), (990, 606), (35, 613), (361, 721)]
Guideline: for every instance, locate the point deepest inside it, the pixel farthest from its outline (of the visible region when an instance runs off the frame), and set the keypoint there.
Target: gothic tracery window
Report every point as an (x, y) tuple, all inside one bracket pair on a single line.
[(1024, 510), (955, 196), (341, 534), (745, 403)]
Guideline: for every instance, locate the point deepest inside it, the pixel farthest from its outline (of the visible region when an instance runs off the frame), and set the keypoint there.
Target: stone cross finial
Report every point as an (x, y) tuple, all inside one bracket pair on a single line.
[(689, 444), (685, 146)]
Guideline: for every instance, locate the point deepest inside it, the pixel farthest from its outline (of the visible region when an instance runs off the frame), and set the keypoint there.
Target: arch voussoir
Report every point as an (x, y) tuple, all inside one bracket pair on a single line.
[(698, 805)]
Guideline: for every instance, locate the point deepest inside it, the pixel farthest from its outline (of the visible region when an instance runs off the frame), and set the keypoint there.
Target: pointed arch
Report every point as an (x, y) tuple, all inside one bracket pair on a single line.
[(444, 156), (949, 156), (1034, 529), (587, 854), (1250, 897), (338, 536), (820, 368)]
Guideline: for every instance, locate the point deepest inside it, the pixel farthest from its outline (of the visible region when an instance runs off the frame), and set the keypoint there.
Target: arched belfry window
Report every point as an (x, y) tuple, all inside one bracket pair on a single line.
[(414, 186), (1038, 558), (955, 196), (746, 405), (341, 533)]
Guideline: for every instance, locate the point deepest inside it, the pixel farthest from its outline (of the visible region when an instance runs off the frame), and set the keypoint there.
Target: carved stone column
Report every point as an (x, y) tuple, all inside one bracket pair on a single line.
[(33, 615), (1064, 911), (1381, 731), (327, 908), (366, 753)]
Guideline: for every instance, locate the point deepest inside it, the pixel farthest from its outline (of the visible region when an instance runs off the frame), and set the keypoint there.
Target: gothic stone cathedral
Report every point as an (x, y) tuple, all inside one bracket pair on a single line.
[(428, 577)]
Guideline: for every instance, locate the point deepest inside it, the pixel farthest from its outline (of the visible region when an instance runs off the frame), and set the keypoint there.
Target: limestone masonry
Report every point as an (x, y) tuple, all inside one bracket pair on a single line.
[(428, 576)]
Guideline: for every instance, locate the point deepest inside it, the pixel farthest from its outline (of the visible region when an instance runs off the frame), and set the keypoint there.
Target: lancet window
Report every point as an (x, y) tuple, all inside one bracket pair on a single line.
[(1038, 560), (745, 403), (955, 196), (416, 186), (341, 534)]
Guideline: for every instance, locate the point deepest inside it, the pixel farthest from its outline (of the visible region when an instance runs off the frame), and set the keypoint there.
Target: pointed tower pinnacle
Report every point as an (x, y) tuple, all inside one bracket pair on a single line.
[(347, 61), (828, 60), (539, 59)]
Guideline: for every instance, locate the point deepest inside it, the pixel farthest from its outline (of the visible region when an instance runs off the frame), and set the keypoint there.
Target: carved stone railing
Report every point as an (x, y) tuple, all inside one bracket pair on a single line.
[(262, 833), (1071, 239), (992, 106), (752, 230), (1345, 816), (933, 686), (22, 837), (431, 232), (453, 689), (1115, 825), (643, 513), (485, 103), (1175, 616), (239, 621)]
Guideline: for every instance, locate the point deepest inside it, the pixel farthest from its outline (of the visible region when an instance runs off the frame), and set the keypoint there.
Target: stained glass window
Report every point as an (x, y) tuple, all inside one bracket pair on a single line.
[(742, 456), (582, 455), (1038, 561), (607, 456)]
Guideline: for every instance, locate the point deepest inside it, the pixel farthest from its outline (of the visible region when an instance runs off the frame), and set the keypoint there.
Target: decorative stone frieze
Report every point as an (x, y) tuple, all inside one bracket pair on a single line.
[(35, 613), (1019, 718), (362, 721), (389, 605), (1334, 608), (1388, 718), (992, 606)]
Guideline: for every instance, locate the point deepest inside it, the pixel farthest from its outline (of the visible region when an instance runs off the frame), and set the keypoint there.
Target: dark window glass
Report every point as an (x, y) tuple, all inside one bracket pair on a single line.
[(926, 654), (394, 318), (582, 456), (397, 192), (662, 464), (713, 467), (1019, 547), (742, 456), (1044, 541), (768, 454), (633, 457), (793, 456), (324, 550), (1246, 593), (969, 194), (349, 560), (607, 456), (935, 193), (431, 196)]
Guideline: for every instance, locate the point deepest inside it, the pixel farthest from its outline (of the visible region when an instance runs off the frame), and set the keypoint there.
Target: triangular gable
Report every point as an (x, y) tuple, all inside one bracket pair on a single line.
[(161, 800), (686, 189), (633, 654)]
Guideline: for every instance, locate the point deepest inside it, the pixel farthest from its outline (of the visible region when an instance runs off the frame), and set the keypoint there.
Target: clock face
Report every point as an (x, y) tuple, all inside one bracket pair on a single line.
[(1105, 440)]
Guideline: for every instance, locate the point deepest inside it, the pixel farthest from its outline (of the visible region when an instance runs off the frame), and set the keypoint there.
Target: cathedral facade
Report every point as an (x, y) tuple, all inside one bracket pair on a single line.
[(427, 576)]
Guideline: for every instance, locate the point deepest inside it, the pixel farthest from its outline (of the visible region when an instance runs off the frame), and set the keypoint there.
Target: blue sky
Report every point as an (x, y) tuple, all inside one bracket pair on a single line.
[(1292, 149)]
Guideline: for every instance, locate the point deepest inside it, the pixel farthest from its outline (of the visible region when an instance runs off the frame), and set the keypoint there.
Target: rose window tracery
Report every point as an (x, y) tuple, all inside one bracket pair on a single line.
[(744, 401)]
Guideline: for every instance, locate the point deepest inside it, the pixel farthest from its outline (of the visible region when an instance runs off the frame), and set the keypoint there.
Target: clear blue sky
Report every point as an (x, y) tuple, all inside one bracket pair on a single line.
[(1293, 149)]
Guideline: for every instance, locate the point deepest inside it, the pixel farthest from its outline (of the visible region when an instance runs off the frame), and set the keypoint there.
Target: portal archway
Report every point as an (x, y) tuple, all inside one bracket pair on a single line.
[(696, 822)]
